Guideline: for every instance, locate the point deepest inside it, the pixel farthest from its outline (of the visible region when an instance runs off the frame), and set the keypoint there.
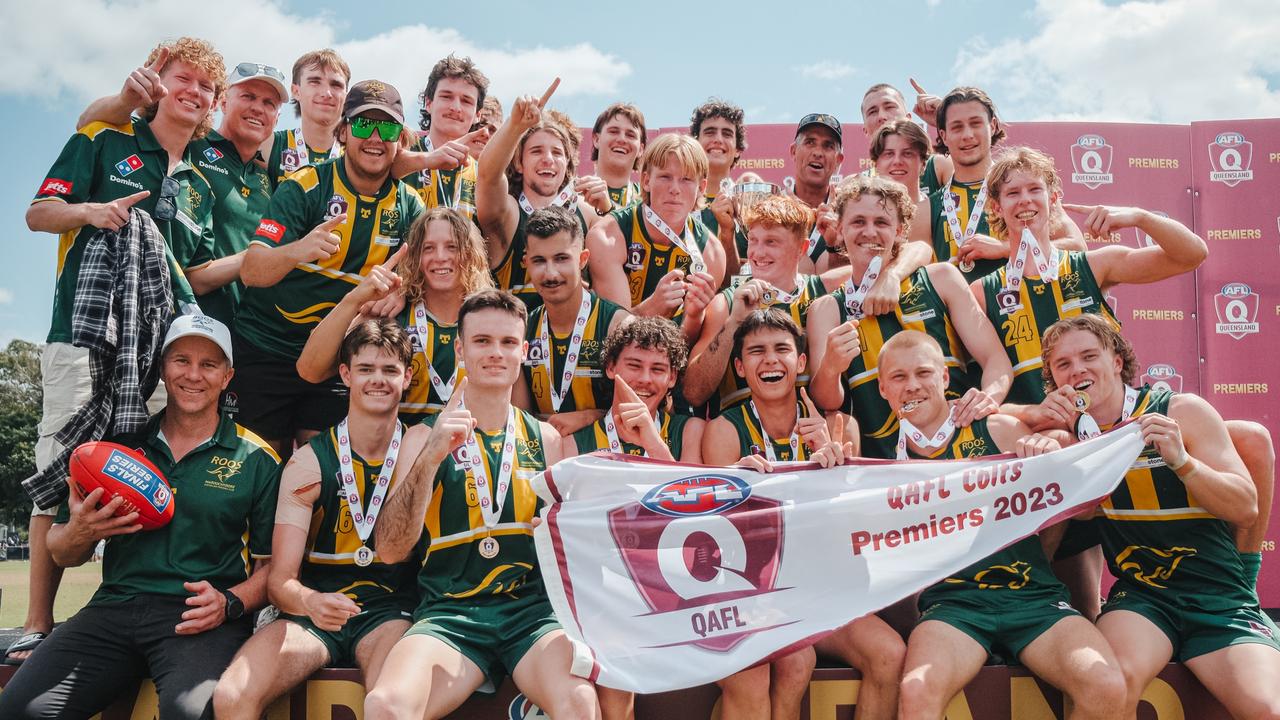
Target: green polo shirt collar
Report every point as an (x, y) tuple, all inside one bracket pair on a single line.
[(224, 436)]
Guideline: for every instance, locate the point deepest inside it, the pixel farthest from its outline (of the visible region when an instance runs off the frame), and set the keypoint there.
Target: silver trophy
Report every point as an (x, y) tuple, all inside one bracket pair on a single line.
[(746, 195)]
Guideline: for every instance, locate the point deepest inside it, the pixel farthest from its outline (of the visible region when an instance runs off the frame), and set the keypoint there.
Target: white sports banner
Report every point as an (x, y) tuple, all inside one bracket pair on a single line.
[(669, 576)]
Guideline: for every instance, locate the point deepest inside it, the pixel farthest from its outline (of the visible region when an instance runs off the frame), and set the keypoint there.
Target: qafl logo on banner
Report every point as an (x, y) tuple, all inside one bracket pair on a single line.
[(1162, 376), (1237, 308), (1230, 156), (1091, 158), (699, 545)]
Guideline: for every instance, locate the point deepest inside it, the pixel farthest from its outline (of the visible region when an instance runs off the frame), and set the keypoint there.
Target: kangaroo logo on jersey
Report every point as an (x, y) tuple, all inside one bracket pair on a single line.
[(694, 546), (1002, 577), (1163, 377), (1237, 308), (126, 166), (1230, 156), (1152, 566), (1091, 158)]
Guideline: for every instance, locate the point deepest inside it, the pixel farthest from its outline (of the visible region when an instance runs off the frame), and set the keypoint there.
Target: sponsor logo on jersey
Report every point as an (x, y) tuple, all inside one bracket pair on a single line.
[(700, 568), (1237, 308), (271, 230), (1230, 156), (54, 186), (1091, 158), (212, 154), (1163, 377), (128, 165), (337, 206)]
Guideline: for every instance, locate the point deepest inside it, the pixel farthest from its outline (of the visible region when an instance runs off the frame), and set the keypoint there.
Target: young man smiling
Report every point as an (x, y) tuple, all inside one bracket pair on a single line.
[(327, 225), (483, 612), (618, 139), (564, 370), (340, 602), (320, 80)]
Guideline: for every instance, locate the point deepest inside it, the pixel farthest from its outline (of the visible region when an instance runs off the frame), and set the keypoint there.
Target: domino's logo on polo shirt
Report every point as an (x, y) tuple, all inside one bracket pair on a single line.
[(128, 165), (212, 154)]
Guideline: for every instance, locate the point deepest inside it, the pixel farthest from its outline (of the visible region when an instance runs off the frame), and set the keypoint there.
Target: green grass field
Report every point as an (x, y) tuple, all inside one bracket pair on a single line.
[(77, 586)]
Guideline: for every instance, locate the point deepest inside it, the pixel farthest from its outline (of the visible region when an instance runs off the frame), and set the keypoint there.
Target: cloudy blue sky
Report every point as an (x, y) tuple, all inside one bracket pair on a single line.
[(1174, 62)]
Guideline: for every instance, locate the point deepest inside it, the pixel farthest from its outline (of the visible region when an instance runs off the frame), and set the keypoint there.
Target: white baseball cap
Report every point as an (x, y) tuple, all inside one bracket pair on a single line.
[(201, 326), (247, 71)]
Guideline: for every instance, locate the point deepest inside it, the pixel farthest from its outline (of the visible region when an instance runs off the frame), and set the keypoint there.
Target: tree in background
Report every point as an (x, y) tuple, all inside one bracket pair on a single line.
[(20, 403)]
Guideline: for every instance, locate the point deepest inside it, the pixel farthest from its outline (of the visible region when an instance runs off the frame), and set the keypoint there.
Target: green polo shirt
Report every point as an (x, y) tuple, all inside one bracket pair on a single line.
[(242, 192), (104, 162), (279, 319), (224, 497)]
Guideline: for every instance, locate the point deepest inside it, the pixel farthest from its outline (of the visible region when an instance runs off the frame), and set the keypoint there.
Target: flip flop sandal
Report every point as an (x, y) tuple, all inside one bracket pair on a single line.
[(27, 642)]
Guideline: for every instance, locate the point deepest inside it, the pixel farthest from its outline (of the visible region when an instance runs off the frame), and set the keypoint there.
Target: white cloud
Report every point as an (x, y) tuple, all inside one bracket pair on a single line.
[(1132, 61), (6, 296), (84, 48), (826, 70)]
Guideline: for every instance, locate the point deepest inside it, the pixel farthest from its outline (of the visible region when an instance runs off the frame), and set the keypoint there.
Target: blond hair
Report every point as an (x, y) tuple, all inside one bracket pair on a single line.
[(1017, 159), (200, 55), (686, 151), (893, 197), (473, 259), (1100, 327)]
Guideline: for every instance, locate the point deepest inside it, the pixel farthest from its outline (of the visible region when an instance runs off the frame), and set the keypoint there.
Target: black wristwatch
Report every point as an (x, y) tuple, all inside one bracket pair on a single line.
[(235, 608)]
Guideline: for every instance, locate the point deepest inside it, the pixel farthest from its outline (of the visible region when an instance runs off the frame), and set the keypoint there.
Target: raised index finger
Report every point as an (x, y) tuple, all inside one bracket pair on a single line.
[(158, 64), (394, 260), (542, 102), (134, 199), (456, 398), (919, 90), (813, 409), (1083, 209), (628, 395)]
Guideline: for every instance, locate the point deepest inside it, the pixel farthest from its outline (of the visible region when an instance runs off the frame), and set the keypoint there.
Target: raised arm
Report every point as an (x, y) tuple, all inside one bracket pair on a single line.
[(832, 347), (496, 211), (1177, 250), (319, 359), (1194, 442), (979, 337)]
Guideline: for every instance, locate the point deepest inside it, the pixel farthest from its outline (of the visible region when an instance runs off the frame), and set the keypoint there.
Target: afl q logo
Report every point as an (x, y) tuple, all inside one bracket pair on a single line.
[(337, 206), (1230, 156), (1091, 158), (697, 541), (1163, 377), (1237, 308)]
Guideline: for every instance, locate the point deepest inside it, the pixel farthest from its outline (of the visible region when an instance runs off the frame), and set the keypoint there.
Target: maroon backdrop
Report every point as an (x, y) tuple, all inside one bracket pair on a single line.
[(1212, 332)]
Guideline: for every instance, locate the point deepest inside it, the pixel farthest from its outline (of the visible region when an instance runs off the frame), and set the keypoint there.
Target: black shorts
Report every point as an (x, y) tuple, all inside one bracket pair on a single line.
[(267, 396)]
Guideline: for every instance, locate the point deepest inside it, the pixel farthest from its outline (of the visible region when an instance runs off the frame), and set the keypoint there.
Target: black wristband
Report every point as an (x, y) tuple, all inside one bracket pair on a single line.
[(235, 607)]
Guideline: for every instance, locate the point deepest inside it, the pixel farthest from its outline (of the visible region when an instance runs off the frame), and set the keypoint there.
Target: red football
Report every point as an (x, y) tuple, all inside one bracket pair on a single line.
[(122, 471)]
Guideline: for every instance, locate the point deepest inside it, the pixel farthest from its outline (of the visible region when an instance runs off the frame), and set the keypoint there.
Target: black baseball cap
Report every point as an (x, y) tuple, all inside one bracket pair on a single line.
[(373, 95), (827, 121)]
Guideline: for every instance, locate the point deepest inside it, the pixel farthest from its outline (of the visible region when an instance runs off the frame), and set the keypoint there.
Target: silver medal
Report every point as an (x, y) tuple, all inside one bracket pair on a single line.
[(967, 265)]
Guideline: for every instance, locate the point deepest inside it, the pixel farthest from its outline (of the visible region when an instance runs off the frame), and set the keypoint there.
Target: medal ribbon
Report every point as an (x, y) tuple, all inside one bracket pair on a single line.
[(479, 472), (363, 519), (1046, 267), (1088, 427), (444, 390), (686, 243), (853, 297), (571, 359), (303, 153), (953, 217), (611, 432), (565, 199), (906, 429), (767, 440)]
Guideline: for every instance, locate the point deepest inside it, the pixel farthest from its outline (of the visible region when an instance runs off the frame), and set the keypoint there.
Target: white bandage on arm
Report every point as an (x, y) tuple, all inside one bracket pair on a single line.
[(299, 490)]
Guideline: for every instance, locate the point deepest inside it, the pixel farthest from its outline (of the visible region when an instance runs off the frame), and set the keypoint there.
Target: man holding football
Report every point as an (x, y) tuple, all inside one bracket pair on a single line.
[(174, 600)]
